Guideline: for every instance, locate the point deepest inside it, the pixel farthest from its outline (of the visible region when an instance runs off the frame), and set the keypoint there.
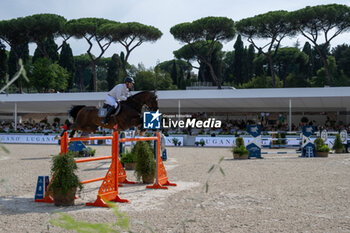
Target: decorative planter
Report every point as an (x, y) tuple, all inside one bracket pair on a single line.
[(129, 166), (321, 154), (61, 199), (237, 156), (148, 179), (338, 151)]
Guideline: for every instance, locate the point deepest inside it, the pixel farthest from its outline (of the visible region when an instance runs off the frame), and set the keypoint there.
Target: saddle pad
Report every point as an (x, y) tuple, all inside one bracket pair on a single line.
[(102, 112)]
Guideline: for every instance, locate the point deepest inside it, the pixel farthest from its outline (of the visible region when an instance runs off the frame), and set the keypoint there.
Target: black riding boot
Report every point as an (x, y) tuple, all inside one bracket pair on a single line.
[(110, 109)]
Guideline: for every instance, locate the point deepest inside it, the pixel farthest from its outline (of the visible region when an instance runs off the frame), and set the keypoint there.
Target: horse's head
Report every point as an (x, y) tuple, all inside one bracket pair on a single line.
[(152, 101), (146, 99)]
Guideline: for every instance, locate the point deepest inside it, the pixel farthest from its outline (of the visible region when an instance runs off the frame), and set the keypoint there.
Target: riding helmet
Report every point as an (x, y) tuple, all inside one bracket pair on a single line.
[(129, 80)]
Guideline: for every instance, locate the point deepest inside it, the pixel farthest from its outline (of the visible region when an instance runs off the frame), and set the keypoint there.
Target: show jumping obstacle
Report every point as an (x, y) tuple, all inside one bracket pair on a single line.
[(116, 173)]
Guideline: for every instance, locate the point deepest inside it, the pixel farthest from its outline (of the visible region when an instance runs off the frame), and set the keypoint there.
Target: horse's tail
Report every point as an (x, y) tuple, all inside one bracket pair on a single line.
[(73, 112)]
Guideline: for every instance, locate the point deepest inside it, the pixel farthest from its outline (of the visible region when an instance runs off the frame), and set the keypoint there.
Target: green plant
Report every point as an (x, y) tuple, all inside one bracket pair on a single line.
[(239, 142), (241, 150), (87, 152), (282, 139), (145, 166), (323, 148), (196, 143), (318, 143), (69, 223), (338, 145), (63, 172), (175, 141), (202, 142), (128, 157)]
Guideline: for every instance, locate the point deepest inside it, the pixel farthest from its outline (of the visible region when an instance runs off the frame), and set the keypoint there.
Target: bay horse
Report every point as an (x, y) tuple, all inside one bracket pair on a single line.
[(86, 117)]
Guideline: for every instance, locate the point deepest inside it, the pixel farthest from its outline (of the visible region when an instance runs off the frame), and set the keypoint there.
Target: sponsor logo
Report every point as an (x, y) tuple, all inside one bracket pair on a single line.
[(151, 120)]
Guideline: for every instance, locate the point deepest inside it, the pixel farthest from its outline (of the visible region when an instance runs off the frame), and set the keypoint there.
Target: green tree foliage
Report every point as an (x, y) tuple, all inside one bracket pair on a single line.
[(309, 69), (228, 66), (3, 64), (42, 29), (321, 79), (67, 61), (261, 82), (206, 32), (18, 51), (130, 35), (15, 33), (47, 76), (113, 72), (239, 61), (51, 50), (250, 62), (83, 72), (327, 20), (272, 26), (102, 72), (153, 80), (288, 60), (89, 29), (178, 70), (341, 54), (201, 49)]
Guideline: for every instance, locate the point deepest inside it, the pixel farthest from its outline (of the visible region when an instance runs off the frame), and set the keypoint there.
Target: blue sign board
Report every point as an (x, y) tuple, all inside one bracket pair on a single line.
[(41, 186), (254, 130), (76, 146), (254, 151)]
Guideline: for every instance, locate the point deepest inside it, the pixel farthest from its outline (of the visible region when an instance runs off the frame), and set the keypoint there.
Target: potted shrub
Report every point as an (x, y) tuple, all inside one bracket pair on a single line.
[(338, 145), (239, 151), (64, 182), (202, 142), (321, 149), (239, 141), (87, 152), (196, 143), (145, 166), (175, 141), (128, 159)]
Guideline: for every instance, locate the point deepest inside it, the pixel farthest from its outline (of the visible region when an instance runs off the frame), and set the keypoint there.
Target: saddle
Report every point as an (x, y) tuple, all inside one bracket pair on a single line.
[(102, 112)]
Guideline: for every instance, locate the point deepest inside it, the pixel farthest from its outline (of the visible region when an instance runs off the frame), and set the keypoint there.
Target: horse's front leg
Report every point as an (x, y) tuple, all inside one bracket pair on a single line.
[(71, 135)]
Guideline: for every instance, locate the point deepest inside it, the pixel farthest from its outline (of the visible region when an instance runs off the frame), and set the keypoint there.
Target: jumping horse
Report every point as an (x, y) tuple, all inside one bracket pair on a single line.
[(86, 118)]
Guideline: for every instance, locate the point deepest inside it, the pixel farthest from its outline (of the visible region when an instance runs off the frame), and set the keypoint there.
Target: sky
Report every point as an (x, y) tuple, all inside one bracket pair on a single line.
[(162, 14)]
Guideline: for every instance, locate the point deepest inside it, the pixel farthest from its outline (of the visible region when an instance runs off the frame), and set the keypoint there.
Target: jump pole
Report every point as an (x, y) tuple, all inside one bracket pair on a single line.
[(161, 174)]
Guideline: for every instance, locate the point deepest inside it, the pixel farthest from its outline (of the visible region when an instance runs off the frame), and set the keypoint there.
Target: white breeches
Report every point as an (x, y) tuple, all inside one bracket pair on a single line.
[(111, 101)]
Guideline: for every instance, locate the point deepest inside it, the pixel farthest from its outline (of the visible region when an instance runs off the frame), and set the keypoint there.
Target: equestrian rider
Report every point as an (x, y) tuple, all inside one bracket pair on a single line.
[(119, 93)]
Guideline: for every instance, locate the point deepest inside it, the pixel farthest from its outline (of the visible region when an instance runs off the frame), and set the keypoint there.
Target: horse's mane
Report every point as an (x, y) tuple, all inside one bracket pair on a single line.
[(141, 93), (135, 99)]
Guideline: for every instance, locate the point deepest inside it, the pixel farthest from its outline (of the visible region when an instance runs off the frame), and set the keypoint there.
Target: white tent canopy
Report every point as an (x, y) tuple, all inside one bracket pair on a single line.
[(228, 100)]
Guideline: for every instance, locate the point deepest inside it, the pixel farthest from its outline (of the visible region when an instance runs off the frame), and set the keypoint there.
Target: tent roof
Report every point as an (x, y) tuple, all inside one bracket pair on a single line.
[(226, 100)]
